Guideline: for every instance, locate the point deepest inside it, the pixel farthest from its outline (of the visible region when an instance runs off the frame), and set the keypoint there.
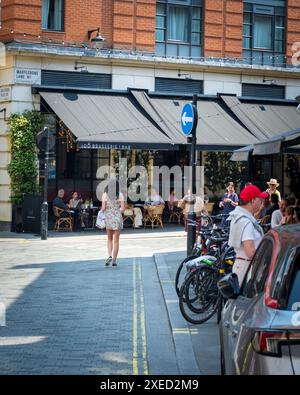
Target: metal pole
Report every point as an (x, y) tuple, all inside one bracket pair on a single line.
[(44, 216), (191, 236)]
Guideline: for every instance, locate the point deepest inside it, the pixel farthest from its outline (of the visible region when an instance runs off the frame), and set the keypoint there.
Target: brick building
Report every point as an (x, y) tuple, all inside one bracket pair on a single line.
[(163, 49)]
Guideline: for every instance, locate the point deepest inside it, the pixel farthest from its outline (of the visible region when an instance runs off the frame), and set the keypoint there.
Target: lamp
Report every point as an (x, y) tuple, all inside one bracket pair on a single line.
[(272, 82), (186, 76), (297, 98), (4, 113), (96, 39)]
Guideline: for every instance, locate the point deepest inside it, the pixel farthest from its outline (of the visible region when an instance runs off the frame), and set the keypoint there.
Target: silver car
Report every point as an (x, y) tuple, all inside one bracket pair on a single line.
[(260, 325)]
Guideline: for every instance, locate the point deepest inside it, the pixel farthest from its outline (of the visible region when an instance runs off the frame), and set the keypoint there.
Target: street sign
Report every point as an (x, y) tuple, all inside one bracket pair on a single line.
[(187, 119), (41, 140)]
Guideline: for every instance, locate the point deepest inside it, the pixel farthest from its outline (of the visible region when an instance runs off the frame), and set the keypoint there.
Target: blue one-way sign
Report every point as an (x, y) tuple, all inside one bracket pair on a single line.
[(187, 119)]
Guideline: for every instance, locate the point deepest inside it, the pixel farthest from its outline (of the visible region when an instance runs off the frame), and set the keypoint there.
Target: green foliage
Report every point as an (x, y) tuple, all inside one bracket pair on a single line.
[(219, 170), (293, 172), (23, 166)]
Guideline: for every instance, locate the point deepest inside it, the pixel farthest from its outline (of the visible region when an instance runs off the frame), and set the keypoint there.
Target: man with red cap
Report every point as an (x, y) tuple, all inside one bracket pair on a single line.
[(245, 233)]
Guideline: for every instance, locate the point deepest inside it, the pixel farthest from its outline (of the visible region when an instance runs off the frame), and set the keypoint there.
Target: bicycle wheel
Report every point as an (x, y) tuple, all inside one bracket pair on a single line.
[(198, 299), (181, 273)]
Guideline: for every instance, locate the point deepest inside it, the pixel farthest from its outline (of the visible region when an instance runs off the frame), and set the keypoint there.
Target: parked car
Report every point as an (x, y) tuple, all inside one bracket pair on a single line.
[(260, 325)]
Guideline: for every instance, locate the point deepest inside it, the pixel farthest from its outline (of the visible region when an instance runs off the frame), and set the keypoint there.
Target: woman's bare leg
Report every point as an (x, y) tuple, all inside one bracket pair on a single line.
[(110, 234), (116, 244)]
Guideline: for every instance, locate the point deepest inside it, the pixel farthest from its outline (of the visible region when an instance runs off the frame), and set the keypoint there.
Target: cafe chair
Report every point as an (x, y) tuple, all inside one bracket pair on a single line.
[(153, 216), (62, 223), (176, 213), (128, 214)]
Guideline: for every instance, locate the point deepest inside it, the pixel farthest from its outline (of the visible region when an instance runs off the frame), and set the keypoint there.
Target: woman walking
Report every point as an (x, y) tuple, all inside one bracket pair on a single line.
[(245, 233), (113, 205)]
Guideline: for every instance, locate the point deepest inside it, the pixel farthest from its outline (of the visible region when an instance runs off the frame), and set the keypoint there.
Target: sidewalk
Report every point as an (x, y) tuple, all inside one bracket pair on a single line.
[(200, 340)]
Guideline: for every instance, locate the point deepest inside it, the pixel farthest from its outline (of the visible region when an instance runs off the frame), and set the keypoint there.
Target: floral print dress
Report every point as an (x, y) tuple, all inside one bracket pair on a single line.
[(113, 215)]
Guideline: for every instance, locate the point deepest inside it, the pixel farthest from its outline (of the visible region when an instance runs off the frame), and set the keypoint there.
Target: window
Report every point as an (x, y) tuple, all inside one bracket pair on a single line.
[(178, 28), (174, 85), (258, 272), (294, 292), (52, 15), (264, 33)]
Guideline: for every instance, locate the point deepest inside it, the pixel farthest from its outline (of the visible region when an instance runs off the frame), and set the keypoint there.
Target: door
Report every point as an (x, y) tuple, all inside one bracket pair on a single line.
[(293, 305)]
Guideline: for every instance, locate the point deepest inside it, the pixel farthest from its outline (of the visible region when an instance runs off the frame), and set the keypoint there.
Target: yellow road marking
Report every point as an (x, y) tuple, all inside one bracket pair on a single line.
[(143, 325), (135, 324)]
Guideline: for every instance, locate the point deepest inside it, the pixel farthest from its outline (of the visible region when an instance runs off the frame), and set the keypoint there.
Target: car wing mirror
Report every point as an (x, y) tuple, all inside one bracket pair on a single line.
[(229, 286)]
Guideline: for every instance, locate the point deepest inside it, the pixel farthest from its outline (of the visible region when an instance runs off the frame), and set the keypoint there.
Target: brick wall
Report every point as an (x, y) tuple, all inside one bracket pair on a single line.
[(223, 28), (126, 24), (134, 24), (130, 24), (293, 27)]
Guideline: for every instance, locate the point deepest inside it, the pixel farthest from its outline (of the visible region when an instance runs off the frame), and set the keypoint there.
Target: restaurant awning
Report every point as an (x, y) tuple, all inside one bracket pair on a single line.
[(265, 121), (138, 120), (281, 143), (216, 130), (106, 121)]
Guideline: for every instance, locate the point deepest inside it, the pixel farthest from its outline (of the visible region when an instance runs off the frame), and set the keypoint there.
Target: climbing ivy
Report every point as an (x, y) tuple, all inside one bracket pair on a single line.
[(23, 166)]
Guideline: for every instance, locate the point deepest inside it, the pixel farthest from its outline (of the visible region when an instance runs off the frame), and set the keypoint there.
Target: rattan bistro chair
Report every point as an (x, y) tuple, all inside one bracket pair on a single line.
[(153, 216), (62, 223), (176, 213), (128, 214)]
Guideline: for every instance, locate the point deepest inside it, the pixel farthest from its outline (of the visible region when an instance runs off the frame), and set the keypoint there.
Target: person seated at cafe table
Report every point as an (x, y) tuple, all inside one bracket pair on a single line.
[(155, 199), (58, 201), (75, 203)]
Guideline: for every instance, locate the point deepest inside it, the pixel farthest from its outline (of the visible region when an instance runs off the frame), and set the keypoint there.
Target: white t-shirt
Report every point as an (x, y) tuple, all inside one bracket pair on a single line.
[(249, 233), (276, 218)]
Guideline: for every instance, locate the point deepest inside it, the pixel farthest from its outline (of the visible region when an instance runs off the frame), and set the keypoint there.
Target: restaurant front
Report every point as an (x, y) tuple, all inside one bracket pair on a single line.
[(94, 130)]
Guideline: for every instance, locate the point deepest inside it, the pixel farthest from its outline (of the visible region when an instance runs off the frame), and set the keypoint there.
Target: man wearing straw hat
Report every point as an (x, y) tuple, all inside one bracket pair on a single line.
[(273, 184)]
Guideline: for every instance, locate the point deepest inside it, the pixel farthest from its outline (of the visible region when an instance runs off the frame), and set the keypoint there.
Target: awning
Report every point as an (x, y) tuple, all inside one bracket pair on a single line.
[(242, 154), (281, 143), (138, 120), (265, 121), (106, 121), (216, 129)]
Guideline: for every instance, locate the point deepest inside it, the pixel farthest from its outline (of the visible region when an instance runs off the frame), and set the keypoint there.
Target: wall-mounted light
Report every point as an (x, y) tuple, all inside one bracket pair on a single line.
[(98, 37), (186, 76), (272, 82), (83, 69), (297, 98), (4, 113)]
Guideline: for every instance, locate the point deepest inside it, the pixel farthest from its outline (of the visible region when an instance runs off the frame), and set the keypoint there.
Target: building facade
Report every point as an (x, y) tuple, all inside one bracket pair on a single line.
[(168, 48)]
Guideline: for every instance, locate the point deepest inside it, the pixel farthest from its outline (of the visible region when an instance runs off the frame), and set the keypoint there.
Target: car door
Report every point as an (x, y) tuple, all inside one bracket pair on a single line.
[(240, 317), (293, 305)]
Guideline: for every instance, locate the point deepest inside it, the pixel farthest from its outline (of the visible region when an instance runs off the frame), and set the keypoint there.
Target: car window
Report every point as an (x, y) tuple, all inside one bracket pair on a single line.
[(294, 293), (257, 275)]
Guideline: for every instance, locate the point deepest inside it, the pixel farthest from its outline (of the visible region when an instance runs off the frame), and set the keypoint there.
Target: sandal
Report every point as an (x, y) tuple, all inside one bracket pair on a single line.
[(108, 261)]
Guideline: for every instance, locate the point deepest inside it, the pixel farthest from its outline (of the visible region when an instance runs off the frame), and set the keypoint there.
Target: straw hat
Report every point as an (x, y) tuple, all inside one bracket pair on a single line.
[(273, 181)]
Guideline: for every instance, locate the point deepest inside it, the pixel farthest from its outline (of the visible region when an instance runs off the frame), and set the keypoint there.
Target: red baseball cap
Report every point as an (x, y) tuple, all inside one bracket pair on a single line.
[(251, 192)]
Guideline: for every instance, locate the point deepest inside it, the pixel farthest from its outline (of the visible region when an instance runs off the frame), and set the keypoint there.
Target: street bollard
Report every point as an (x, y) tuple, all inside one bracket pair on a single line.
[(191, 233), (44, 221)]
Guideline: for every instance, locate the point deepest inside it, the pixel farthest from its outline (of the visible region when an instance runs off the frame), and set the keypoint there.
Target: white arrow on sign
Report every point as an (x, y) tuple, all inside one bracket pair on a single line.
[(186, 119)]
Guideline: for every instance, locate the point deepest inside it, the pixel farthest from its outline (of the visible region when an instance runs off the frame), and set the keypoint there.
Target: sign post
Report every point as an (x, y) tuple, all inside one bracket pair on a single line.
[(43, 140), (189, 122)]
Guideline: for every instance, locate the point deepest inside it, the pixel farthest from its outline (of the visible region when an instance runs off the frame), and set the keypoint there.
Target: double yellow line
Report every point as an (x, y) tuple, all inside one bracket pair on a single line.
[(139, 347)]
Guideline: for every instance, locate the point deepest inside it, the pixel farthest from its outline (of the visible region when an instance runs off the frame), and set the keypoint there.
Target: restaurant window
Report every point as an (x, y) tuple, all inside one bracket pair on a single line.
[(264, 33), (53, 15), (178, 28)]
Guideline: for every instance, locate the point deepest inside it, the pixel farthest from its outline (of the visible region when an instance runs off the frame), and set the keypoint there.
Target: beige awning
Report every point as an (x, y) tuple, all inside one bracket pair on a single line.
[(105, 118), (264, 120), (215, 127)]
